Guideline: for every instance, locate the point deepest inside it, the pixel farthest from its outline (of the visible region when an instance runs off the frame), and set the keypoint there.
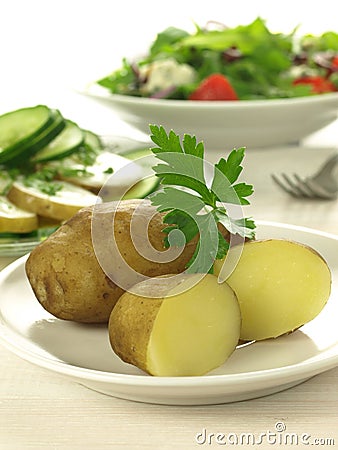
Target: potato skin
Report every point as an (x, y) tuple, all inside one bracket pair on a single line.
[(176, 325), (66, 277), (64, 272), (130, 325), (132, 318)]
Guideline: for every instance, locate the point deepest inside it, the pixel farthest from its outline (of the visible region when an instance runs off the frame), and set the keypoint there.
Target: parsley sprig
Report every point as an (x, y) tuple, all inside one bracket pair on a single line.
[(193, 206)]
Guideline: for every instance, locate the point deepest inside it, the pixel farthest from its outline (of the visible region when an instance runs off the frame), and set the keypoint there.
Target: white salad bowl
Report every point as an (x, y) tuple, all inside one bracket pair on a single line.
[(226, 124)]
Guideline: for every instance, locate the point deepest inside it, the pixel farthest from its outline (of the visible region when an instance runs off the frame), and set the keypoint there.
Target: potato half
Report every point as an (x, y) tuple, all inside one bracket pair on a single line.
[(280, 286), (190, 325)]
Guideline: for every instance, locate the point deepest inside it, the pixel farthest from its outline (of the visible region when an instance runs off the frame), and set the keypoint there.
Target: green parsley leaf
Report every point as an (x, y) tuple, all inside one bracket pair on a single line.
[(207, 248), (192, 206), (183, 218), (243, 227), (223, 246), (230, 169), (184, 166)]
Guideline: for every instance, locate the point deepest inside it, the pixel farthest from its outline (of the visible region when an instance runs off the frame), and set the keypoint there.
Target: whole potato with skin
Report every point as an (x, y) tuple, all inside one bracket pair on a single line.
[(66, 277), (64, 271)]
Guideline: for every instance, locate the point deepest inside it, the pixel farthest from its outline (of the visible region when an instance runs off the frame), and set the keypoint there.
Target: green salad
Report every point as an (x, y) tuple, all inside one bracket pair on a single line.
[(246, 62)]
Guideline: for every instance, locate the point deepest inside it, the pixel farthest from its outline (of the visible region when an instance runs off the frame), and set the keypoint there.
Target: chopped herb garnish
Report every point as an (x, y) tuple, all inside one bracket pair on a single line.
[(86, 155), (44, 181)]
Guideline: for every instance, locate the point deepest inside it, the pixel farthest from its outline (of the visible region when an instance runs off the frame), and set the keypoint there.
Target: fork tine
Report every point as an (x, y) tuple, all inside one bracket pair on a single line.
[(305, 187), (289, 187), (297, 187), (320, 186)]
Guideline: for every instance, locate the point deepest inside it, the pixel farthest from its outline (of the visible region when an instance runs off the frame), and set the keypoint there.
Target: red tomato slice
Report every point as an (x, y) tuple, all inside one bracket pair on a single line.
[(319, 84), (214, 87)]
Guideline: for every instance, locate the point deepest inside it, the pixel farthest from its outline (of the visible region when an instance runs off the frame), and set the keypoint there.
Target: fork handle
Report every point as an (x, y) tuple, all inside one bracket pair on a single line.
[(329, 165)]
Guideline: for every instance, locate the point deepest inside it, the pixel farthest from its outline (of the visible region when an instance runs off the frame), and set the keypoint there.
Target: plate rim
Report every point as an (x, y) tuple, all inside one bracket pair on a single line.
[(293, 372), (92, 89)]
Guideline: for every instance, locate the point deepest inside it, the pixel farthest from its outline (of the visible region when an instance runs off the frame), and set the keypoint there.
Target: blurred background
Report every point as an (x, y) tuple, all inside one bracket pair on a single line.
[(51, 49)]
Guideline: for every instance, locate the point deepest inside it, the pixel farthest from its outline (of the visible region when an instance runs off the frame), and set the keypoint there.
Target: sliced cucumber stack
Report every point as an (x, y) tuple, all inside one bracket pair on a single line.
[(18, 129), (38, 134), (64, 144), (26, 151)]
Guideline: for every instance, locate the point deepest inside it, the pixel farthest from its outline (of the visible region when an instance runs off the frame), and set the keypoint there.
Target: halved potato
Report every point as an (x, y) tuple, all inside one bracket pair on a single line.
[(184, 325), (280, 286)]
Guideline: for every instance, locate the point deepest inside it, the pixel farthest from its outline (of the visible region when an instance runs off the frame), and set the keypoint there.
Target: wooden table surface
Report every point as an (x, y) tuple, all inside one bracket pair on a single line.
[(42, 410)]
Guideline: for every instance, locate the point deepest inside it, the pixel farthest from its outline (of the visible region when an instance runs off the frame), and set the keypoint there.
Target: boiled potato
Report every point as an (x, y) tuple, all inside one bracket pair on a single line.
[(60, 206), (280, 286), (126, 174), (66, 276), (184, 325), (14, 219)]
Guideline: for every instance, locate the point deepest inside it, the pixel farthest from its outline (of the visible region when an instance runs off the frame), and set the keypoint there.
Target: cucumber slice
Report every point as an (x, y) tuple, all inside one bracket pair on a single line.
[(48, 134), (136, 153), (21, 154), (93, 141), (21, 126), (146, 186), (67, 142), (143, 188)]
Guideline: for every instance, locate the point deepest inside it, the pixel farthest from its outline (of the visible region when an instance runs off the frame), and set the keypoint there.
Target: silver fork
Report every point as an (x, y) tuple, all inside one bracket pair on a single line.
[(323, 184)]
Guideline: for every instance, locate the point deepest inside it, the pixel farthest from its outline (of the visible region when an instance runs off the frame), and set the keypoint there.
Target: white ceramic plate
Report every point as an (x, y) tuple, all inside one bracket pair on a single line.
[(82, 352), (224, 125)]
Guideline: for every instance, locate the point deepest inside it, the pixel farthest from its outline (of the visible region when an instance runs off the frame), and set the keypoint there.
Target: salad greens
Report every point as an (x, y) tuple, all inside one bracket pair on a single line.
[(198, 209), (259, 64)]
